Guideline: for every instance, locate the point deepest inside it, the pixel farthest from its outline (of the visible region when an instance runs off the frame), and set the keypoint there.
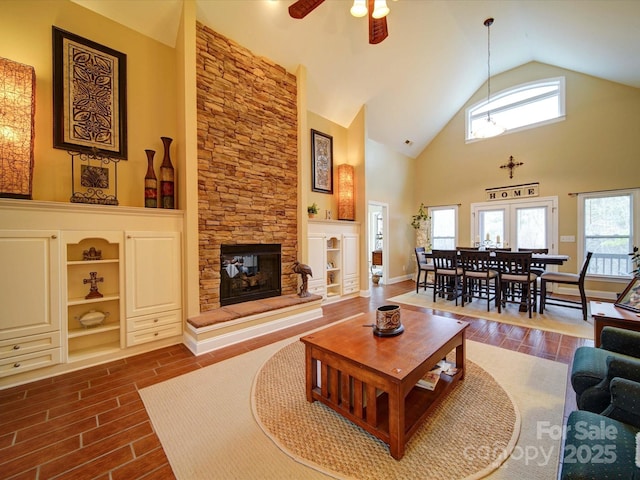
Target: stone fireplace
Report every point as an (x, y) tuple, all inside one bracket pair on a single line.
[(247, 159), (249, 272)]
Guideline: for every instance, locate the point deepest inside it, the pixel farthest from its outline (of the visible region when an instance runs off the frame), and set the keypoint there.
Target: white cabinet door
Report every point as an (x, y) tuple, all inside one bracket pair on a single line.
[(318, 263), (351, 263), (153, 272), (351, 257), (30, 282)]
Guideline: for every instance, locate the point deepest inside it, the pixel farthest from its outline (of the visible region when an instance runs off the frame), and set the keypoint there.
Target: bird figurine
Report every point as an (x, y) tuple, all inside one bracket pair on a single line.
[(304, 271)]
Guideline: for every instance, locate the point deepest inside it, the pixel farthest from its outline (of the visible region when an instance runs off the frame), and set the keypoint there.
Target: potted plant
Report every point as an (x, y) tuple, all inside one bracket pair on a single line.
[(416, 220), (312, 210)]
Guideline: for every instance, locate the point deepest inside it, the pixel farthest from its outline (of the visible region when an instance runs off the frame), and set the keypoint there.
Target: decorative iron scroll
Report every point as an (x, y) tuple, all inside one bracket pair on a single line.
[(94, 178)]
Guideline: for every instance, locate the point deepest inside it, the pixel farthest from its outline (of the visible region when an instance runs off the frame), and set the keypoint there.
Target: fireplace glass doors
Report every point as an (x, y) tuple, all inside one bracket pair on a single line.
[(249, 272)]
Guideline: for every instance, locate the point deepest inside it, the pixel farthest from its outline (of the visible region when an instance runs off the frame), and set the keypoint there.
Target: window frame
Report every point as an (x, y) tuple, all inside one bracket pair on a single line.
[(470, 111), (635, 226)]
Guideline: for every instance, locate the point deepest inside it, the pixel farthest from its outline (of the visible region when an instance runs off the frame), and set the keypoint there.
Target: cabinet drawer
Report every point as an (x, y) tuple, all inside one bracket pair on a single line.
[(30, 361), (152, 334), (29, 344), (154, 320), (351, 289), (350, 286), (319, 290)]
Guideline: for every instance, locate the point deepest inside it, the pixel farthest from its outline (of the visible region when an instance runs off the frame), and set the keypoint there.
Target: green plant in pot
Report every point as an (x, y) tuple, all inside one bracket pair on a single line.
[(312, 210), (416, 220)]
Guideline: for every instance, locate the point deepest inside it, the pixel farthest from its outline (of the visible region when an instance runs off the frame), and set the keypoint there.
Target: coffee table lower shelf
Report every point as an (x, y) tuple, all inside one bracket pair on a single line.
[(419, 403)]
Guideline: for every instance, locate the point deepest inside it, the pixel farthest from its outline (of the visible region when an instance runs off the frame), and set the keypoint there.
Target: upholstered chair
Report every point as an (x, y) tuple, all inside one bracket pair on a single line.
[(593, 367), (604, 445)]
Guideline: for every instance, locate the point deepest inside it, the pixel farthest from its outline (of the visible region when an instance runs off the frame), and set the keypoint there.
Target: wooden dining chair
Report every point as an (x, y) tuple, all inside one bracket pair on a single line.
[(566, 279), (479, 279), (423, 267), (517, 283), (448, 274), (536, 267)]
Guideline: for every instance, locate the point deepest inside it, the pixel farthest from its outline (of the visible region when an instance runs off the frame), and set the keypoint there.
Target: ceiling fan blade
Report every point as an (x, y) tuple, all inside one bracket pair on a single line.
[(302, 8), (377, 27)]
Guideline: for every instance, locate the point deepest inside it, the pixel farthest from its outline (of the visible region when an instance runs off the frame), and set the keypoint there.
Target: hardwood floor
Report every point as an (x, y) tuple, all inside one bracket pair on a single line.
[(91, 424)]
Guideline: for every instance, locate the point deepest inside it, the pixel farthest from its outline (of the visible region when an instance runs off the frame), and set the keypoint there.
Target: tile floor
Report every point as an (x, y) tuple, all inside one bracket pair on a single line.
[(92, 424)]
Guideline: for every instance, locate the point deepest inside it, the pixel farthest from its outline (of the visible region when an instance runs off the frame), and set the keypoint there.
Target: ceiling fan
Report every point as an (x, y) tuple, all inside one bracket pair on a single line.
[(377, 26)]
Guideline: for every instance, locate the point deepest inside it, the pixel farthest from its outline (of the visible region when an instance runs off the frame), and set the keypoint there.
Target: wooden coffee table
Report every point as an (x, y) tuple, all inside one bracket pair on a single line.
[(371, 380)]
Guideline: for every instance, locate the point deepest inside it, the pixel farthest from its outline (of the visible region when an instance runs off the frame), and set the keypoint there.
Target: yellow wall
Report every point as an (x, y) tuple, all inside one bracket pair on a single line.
[(340, 155), (25, 37), (597, 147), (390, 180)]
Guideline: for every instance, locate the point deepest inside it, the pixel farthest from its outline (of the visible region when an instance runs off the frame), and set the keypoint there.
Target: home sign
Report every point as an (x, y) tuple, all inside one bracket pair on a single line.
[(515, 191)]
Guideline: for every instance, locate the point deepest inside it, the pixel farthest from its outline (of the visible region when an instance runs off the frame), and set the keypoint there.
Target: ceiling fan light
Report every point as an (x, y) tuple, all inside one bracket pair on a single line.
[(380, 9), (359, 8)]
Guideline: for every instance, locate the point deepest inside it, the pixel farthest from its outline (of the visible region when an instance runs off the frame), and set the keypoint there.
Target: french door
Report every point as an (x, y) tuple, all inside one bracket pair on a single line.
[(515, 224)]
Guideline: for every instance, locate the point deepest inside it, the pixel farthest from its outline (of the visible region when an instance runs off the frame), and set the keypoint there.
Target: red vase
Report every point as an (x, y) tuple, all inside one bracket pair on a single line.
[(150, 182), (167, 192)]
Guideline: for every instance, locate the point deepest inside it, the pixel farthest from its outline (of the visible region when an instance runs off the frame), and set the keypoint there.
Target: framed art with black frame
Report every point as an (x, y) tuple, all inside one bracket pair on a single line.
[(89, 96), (321, 162), (630, 298)]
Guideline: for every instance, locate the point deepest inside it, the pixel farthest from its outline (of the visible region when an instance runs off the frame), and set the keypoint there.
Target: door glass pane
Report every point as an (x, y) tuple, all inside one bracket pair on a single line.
[(531, 224), (491, 225)]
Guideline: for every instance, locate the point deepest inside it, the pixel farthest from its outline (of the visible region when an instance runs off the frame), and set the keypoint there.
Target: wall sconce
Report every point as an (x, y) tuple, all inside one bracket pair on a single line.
[(17, 119), (346, 197)]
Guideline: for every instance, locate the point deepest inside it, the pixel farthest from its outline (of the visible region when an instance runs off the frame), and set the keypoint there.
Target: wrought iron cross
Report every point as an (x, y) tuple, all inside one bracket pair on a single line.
[(93, 280), (511, 165)]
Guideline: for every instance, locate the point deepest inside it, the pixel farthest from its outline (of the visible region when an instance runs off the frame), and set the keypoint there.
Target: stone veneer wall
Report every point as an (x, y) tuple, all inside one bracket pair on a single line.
[(247, 157)]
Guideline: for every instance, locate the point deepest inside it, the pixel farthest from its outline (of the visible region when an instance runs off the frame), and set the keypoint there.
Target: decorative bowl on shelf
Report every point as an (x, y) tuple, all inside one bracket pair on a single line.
[(92, 318)]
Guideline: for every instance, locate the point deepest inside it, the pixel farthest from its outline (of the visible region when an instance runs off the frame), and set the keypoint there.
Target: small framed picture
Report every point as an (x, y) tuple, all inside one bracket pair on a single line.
[(321, 162), (630, 298)]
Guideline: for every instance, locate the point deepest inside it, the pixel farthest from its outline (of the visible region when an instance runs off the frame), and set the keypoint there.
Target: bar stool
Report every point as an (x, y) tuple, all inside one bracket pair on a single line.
[(425, 267), (447, 274)]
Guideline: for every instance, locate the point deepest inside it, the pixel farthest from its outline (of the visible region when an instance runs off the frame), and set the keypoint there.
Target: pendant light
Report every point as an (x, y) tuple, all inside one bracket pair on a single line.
[(489, 128)]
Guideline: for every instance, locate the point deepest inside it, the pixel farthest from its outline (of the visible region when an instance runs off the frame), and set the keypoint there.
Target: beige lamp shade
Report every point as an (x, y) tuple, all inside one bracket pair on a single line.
[(346, 197), (17, 114)]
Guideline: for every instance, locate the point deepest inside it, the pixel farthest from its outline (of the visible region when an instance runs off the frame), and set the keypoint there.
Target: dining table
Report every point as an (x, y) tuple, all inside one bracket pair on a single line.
[(537, 258)]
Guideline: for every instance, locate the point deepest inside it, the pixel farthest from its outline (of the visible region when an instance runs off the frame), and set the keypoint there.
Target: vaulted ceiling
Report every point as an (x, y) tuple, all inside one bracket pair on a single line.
[(434, 59)]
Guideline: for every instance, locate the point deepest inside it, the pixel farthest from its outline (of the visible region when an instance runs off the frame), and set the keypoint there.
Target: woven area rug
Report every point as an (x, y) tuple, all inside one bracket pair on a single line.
[(567, 321), (478, 412), (205, 423)]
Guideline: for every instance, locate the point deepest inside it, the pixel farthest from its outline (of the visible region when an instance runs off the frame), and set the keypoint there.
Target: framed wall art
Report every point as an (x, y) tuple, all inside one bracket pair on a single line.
[(630, 298), (321, 162), (89, 96)]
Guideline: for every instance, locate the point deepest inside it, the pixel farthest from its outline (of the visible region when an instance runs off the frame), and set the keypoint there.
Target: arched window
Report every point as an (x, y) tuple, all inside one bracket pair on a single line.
[(525, 106)]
